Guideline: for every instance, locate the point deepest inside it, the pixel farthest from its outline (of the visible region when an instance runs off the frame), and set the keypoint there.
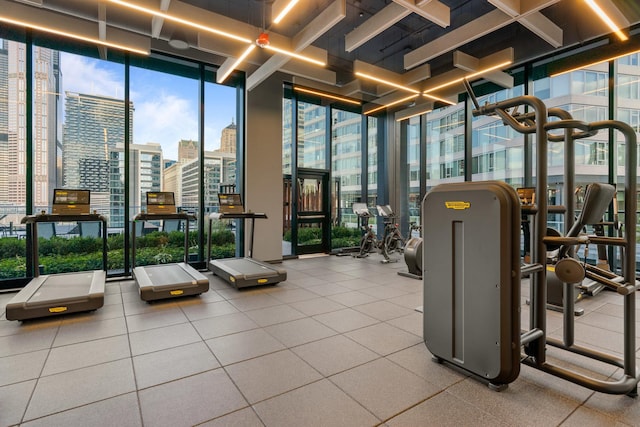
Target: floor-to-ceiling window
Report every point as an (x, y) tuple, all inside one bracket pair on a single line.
[(497, 149), (627, 84), (13, 159), (346, 164), (63, 125), (584, 95), (165, 107), (413, 168), (445, 145)]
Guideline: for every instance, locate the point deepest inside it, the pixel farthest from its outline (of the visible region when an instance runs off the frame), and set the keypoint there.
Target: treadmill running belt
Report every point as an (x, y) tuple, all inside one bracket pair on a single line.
[(169, 281), (168, 275), (248, 267), (63, 287)]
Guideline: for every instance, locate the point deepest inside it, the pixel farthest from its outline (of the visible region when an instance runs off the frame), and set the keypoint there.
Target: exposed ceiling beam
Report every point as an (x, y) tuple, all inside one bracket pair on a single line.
[(73, 26), (432, 10), (311, 72), (472, 64), (422, 106), (475, 29), (375, 25), (102, 28), (157, 22), (529, 16), (330, 16), (484, 25), (544, 28), (466, 65)]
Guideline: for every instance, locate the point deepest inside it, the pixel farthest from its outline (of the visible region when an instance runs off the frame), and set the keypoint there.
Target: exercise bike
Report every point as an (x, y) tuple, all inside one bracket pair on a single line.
[(391, 240)]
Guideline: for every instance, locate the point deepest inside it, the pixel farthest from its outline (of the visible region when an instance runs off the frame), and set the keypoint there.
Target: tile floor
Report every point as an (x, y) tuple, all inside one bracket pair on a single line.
[(338, 344)]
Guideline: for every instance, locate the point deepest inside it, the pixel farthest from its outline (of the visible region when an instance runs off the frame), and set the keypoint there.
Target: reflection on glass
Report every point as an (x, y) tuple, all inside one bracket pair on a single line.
[(413, 166), (445, 145), (312, 134), (628, 110), (13, 157), (498, 152), (346, 164)]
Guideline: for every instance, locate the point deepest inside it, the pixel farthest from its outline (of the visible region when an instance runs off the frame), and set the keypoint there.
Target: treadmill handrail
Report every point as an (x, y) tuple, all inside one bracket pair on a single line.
[(44, 217), (238, 215), (143, 216)]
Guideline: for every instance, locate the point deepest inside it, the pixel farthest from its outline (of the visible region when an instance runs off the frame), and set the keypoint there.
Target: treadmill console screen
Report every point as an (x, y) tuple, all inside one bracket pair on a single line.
[(160, 202), (70, 202), (230, 203), (527, 196)]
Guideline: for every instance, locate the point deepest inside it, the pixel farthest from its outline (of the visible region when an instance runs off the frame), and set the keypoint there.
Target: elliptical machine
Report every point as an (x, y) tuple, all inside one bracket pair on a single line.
[(413, 255)]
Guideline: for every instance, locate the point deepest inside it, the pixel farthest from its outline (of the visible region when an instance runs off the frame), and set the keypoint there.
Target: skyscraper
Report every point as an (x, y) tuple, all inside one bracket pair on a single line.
[(13, 138), (228, 139), (93, 126), (187, 150), (4, 122)]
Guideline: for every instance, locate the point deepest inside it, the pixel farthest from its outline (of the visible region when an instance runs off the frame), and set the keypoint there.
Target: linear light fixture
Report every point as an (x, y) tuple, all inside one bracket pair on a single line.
[(435, 98), (391, 104), (470, 76), (72, 35), (591, 64), (284, 11), (414, 115), (326, 95), (606, 19), (294, 55), (386, 82), (235, 64), (181, 20)]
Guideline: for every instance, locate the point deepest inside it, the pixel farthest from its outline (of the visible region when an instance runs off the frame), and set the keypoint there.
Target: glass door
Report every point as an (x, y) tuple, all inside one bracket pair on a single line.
[(313, 211)]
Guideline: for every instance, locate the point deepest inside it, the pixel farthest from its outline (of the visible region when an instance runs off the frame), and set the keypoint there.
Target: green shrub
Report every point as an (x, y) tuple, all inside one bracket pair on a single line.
[(53, 264), (116, 241), (11, 247), (309, 236), (12, 267), (222, 237), (223, 251), (345, 242), (341, 231)]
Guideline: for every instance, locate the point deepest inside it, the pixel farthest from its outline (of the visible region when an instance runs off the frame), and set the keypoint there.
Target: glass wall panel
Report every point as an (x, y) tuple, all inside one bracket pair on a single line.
[(627, 81), (13, 109), (497, 149), (312, 134), (583, 94), (78, 129), (445, 145), (346, 164), (220, 148), (372, 160), (165, 132), (413, 166), (287, 170)]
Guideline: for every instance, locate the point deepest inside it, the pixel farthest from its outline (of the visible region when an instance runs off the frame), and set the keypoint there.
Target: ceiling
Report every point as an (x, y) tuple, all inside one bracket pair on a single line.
[(415, 43)]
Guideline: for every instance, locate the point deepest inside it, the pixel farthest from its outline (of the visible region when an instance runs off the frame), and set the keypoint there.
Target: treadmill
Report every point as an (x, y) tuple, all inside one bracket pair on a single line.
[(62, 293), (166, 280), (241, 272)]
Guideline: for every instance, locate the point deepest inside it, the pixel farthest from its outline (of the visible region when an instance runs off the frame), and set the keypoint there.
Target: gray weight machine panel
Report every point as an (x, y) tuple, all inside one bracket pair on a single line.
[(169, 281), (51, 295), (245, 272), (471, 265)]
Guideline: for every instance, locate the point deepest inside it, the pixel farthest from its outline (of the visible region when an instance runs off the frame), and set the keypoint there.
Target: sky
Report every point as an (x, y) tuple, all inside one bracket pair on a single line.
[(165, 106)]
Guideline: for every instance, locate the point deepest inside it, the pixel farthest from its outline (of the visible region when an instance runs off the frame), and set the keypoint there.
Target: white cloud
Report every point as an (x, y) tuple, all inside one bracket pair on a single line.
[(90, 76), (165, 119)]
